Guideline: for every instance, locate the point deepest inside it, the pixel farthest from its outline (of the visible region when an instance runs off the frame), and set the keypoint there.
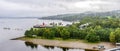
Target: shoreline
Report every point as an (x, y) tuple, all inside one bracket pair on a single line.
[(77, 44)]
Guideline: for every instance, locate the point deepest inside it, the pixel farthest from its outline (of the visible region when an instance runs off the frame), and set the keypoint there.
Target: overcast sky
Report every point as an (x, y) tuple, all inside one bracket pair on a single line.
[(23, 8)]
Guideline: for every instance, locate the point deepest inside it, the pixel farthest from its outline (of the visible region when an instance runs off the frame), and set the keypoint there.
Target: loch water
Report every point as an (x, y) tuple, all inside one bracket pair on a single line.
[(13, 28)]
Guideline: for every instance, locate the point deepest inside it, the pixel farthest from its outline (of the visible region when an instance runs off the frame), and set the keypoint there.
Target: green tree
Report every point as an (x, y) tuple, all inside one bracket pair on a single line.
[(92, 38), (82, 34), (57, 31), (74, 31), (103, 34), (48, 34), (29, 33), (36, 32), (117, 34), (65, 34), (41, 31), (112, 37)]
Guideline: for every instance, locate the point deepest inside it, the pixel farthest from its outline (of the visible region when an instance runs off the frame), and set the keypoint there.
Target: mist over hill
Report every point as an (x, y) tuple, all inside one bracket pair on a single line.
[(78, 16)]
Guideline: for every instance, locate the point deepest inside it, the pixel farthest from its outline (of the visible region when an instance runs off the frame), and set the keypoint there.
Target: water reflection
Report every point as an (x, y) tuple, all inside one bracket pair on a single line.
[(65, 49), (30, 44), (51, 48)]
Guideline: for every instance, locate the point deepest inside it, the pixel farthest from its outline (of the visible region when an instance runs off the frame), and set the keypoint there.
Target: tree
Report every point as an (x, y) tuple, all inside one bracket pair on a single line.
[(112, 37), (92, 38), (57, 31), (117, 35), (29, 33), (103, 34), (36, 32), (65, 34), (75, 34), (82, 34), (48, 34), (41, 31), (74, 31)]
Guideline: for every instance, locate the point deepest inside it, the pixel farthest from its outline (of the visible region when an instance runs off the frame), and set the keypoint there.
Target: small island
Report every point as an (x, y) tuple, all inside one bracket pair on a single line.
[(88, 33)]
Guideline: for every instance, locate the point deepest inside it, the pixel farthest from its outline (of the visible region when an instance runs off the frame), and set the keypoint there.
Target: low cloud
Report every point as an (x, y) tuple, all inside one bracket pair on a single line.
[(40, 8)]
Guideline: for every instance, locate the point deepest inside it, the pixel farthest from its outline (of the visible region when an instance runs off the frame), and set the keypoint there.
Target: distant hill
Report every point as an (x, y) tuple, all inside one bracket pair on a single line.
[(78, 16)]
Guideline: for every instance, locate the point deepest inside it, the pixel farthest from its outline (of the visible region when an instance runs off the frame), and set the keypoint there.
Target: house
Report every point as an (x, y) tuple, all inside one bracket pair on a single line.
[(84, 25), (48, 25), (43, 26)]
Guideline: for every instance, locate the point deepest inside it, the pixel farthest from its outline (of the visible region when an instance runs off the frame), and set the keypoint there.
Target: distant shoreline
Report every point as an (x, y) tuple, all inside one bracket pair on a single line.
[(77, 44)]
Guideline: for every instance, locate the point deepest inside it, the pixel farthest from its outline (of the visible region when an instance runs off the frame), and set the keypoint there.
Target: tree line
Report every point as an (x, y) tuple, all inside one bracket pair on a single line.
[(100, 29)]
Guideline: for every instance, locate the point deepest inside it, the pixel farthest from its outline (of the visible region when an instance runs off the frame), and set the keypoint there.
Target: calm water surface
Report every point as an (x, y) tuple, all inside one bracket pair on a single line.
[(13, 28)]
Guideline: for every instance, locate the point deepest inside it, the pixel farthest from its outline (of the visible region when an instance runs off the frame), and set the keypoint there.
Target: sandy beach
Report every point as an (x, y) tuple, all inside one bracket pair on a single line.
[(67, 44)]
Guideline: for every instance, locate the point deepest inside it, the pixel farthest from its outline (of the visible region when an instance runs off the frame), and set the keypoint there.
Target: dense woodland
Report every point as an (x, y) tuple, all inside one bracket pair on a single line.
[(105, 29)]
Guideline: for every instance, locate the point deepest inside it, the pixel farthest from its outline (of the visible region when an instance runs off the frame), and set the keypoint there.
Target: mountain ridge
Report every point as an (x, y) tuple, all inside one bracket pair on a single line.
[(78, 16)]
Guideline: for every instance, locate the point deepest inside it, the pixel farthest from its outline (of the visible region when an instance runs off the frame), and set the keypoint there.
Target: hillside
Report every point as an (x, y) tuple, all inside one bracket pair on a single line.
[(78, 16)]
